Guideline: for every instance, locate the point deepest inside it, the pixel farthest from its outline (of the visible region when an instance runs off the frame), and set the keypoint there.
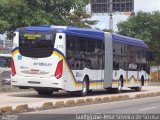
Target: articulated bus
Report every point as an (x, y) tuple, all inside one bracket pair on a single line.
[(55, 58)]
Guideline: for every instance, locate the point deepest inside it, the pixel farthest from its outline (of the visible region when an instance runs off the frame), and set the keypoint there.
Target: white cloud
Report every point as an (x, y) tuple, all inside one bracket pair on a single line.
[(147, 5)]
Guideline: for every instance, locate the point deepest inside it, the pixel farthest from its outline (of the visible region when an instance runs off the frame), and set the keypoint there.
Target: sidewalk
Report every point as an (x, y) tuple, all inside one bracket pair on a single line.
[(16, 102), (9, 88), (154, 84)]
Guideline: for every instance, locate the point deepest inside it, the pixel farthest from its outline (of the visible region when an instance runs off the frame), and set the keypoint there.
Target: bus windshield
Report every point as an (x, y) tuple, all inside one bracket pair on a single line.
[(36, 44)]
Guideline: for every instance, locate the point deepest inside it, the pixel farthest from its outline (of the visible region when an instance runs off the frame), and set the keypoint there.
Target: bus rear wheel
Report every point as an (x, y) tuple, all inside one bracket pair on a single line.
[(85, 87), (45, 92), (136, 89), (119, 89)]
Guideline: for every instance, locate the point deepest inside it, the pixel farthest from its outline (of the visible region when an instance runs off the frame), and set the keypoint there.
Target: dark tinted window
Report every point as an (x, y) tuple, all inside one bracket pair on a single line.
[(128, 57), (85, 53), (36, 44)]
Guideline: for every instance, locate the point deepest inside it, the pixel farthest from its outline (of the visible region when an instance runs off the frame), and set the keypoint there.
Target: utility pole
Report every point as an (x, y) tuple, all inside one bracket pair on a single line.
[(111, 15)]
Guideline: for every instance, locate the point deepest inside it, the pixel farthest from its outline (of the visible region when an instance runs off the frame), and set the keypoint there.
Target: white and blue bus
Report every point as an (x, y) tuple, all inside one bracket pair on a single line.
[(53, 58)]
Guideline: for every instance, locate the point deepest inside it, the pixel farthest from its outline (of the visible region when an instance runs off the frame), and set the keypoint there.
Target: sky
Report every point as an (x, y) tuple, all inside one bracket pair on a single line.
[(143, 5)]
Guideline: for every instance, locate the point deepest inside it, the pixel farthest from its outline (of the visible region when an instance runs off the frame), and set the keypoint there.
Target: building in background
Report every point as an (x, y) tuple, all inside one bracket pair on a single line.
[(109, 10), (5, 60), (5, 46), (103, 6)]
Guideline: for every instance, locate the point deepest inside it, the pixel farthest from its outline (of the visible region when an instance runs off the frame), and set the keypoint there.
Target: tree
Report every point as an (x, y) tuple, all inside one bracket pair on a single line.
[(20, 13), (12, 15), (79, 18), (145, 26)]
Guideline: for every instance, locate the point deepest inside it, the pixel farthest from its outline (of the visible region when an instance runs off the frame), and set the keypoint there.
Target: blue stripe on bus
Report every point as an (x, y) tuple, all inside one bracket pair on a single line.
[(17, 48), (67, 63)]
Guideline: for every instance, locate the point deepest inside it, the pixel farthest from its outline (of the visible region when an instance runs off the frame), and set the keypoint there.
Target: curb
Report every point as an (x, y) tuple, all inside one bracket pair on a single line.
[(79, 101), (6, 109), (97, 100), (121, 97), (59, 104), (70, 103), (88, 100), (140, 95), (112, 98), (157, 93), (149, 94), (22, 107), (126, 97), (105, 99), (46, 106)]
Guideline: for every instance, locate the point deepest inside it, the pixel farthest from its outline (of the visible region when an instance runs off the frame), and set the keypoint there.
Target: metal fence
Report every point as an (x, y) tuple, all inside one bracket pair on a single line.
[(155, 73), (5, 48)]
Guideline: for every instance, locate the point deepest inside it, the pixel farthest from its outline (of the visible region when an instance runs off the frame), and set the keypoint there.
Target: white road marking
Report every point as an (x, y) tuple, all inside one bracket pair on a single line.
[(148, 108)]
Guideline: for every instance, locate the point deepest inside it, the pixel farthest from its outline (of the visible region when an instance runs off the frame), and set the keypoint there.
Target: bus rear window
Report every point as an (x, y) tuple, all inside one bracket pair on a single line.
[(36, 44)]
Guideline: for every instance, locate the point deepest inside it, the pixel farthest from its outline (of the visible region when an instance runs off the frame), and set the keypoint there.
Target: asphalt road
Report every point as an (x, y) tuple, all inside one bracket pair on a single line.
[(136, 106)]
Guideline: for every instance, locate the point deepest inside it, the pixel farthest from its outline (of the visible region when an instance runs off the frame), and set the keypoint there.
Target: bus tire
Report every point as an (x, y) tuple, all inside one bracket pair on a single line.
[(45, 92), (85, 87), (136, 88), (119, 89), (110, 90)]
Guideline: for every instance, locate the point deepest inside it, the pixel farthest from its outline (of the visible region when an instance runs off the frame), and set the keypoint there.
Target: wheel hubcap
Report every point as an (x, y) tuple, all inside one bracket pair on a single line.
[(84, 87), (119, 85)]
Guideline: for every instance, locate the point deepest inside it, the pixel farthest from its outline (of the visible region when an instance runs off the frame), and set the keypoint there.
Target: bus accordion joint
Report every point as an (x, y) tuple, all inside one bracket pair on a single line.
[(59, 69)]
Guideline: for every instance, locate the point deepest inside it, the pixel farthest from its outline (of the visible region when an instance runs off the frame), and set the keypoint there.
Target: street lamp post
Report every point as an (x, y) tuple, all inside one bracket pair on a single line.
[(110, 14)]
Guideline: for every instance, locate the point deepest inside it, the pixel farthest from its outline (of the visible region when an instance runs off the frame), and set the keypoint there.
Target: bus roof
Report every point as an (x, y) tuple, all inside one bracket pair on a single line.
[(128, 40), (86, 32), (93, 33)]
